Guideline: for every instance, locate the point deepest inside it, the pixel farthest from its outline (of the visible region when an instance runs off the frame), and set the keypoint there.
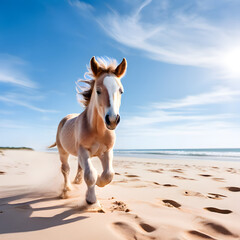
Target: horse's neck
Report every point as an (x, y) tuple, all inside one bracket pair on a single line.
[(95, 121)]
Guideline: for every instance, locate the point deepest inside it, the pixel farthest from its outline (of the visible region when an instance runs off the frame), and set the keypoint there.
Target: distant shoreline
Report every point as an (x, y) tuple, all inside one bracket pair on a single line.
[(16, 148)]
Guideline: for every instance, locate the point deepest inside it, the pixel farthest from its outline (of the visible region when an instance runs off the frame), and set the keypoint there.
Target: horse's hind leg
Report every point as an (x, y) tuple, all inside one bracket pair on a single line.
[(79, 175), (65, 171)]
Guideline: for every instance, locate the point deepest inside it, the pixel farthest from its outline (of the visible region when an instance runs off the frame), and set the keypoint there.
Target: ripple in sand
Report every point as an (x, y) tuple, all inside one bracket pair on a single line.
[(171, 203), (233, 189), (200, 235), (146, 227), (218, 210), (179, 170), (155, 170), (131, 175), (218, 229), (216, 196), (183, 178), (205, 175), (193, 194), (231, 170), (218, 179), (169, 185), (129, 232)]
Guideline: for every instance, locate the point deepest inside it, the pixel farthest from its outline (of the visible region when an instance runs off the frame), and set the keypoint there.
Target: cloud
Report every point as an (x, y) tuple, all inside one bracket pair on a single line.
[(175, 123), (19, 102), (215, 97), (172, 111), (15, 79), (183, 35), (82, 6), (155, 117), (209, 134), (11, 72), (7, 124)]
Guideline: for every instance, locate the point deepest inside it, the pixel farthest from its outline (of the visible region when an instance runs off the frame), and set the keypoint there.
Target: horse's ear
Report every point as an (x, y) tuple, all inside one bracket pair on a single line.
[(94, 66), (121, 68)]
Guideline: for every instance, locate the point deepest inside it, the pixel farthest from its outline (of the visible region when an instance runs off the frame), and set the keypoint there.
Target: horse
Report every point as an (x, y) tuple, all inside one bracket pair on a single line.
[(91, 133)]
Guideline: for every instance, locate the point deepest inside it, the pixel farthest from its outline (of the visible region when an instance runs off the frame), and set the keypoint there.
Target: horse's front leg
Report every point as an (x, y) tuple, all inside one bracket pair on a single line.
[(90, 174), (108, 172)]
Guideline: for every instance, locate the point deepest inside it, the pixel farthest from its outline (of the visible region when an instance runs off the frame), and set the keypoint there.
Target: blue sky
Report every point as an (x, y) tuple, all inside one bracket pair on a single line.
[(182, 87)]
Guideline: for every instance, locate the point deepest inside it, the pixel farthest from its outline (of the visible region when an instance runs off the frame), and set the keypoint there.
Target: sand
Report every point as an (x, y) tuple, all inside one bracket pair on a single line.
[(148, 199)]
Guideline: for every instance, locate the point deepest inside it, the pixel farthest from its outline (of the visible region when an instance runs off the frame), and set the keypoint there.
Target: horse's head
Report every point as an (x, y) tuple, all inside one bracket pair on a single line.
[(108, 90)]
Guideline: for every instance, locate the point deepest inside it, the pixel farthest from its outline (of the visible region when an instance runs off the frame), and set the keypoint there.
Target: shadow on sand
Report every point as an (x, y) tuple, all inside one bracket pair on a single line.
[(17, 217)]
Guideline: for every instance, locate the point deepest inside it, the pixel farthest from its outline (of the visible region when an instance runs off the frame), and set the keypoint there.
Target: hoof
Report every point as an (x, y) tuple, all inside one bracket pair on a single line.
[(64, 195), (77, 181), (69, 188), (89, 203)]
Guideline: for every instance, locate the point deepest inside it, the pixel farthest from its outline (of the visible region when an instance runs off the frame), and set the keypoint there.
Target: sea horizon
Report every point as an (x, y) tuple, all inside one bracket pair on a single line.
[(224, 154), (232, 154)]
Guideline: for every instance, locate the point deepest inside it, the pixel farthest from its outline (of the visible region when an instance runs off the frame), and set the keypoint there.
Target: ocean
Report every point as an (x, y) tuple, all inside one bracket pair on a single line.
[(231, 154)]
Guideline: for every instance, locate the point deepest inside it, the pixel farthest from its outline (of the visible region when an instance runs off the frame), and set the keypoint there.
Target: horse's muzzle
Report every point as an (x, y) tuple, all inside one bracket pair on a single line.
[(112, 121)]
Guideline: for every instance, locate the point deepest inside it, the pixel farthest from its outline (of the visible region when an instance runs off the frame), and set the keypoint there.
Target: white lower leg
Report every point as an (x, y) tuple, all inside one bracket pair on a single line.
[(90, 195), (68, 185), (90, 174), (90, 177)]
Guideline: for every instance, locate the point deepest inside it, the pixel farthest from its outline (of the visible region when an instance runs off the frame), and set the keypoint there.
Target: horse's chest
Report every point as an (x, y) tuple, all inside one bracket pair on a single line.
[(97, 149)]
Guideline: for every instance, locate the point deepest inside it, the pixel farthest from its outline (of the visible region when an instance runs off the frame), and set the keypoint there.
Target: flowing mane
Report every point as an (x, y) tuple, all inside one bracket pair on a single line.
[(107, 65)]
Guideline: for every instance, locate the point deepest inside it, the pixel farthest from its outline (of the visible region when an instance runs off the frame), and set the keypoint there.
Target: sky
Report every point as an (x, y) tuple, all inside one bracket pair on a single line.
[(181, 89)]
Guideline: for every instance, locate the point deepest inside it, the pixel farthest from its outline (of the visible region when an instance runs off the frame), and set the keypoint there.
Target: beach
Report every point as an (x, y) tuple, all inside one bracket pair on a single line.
[(149, 198)]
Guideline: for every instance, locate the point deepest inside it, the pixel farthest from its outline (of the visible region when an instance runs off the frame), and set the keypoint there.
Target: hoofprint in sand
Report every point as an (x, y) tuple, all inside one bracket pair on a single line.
[(148, 199)]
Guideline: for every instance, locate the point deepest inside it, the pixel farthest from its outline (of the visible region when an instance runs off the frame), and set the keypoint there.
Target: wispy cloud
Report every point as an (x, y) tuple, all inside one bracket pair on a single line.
[(156, 117), (82, 6), (215, 97), (12, 99), (11, 72), (164, 123), (172, 111), (208, 134), (184, 35), (7, 124), (15, 78)]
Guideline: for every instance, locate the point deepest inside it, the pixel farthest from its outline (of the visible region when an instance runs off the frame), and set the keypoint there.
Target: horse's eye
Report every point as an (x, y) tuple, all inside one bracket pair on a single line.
[(98, 92), (121, 91)]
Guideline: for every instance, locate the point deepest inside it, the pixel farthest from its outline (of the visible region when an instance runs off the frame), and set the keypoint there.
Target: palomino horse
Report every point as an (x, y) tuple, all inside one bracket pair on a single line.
[(91, 133)]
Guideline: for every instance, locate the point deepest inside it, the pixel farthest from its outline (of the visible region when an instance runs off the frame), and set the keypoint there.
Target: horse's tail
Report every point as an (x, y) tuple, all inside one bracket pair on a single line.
[(53, 145)]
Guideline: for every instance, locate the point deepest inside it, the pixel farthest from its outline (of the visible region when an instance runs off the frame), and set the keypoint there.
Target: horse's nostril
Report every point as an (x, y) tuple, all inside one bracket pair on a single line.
[(118, 119), (107, 119)]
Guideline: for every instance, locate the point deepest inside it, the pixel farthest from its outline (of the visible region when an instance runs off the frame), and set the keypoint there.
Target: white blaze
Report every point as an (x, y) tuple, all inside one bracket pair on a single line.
[(112, 85)]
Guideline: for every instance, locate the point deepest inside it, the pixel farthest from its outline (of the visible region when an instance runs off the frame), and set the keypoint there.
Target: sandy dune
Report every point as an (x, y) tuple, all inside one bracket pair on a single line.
[(148, 199)]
